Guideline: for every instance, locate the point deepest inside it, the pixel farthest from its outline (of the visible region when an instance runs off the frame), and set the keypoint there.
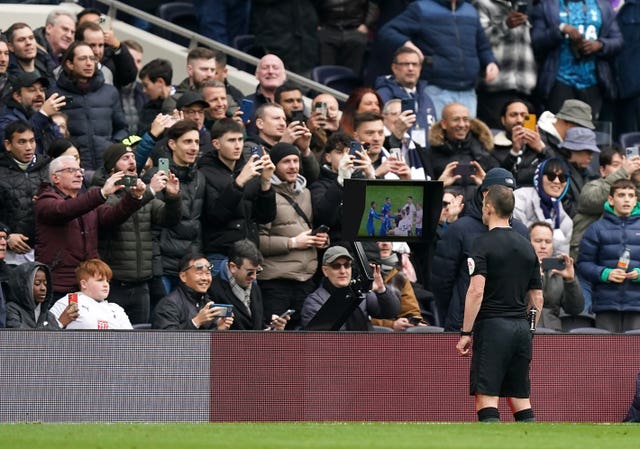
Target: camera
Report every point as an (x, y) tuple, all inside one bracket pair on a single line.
[(128, 181)]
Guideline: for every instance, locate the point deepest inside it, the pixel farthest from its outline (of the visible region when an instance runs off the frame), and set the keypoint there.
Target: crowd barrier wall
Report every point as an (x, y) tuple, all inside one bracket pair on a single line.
[(156, 376)]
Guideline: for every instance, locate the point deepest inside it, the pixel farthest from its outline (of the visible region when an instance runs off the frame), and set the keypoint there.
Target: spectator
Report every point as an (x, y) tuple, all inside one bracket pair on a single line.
[(517, 148), (170, 244), (57, 34), (369, 130), (271, 74), (155, 77), (322, 124), (613, 166), (92, 310), (290, 250), (63, 147), (560, 288), (67, 221), (28, 103), (627, 117), (616, 296), (451, 42), (575, 58), (62, 121), (26, 55), (327, 191), (577, 149), (189, 306), (507, 28), (404, 83), (22, 171), (5, 86), (235, 95), (95, 116), (29, 298), (379, 302), (4, 273), (289, 96), (222, 20), (238, 193), (452, 206), (543, 202), (409, 314), (132, 95), (128, 248), (553, 128), (215, 94), (450, 273), (201, 66), (343, 31), (361, 99), (459, 138), (236, 284)]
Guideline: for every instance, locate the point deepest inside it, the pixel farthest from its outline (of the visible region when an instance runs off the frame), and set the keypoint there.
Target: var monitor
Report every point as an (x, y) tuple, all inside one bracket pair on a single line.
[(391, 210)]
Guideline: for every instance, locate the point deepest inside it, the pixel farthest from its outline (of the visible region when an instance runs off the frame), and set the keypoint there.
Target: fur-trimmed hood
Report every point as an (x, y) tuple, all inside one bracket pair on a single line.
[(477, 128)]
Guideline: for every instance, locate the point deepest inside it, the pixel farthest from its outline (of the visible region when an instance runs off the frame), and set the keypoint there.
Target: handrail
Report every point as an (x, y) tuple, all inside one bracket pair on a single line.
[(195, 39)]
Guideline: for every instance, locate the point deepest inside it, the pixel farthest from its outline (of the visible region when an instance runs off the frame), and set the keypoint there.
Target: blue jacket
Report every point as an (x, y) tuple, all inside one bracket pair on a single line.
[(600, 248), (46, 131), (626, 63), (454, 44), (450, 274), (547, 39), (388, 88)]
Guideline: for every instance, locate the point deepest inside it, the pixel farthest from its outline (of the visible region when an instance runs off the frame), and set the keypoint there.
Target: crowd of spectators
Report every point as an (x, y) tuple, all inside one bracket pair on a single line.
[(127, 199)]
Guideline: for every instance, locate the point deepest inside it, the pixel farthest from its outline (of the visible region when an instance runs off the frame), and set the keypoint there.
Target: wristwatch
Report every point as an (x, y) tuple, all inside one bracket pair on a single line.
[(466, 333)]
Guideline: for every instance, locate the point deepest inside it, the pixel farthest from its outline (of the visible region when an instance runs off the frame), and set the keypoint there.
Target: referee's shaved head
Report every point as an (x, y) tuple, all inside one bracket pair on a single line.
[(502, 200)]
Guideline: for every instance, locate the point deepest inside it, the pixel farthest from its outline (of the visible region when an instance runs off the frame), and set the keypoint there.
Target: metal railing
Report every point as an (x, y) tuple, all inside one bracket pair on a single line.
[(195, 39)]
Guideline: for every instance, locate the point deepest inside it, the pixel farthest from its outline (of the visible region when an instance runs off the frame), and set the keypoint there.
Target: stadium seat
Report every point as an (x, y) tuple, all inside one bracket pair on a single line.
[(633, 332), (246, 43), (337, 77), (425, 330), (382, 329), (179, 13), (629, 139), (571, 322), (589, 330), (141, 326), (545, 330)]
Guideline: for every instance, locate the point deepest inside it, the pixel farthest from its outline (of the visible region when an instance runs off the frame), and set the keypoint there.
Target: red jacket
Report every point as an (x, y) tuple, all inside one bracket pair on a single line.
[(67, 230)]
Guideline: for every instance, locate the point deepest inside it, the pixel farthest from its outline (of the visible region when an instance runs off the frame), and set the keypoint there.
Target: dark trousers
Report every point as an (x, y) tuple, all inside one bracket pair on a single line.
[(561, 92), (342, 47), (278, 295), (133, 297)]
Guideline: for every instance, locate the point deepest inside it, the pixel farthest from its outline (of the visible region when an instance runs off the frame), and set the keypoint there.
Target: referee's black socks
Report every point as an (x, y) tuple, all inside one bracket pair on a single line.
[(525, 415), (489, 414)]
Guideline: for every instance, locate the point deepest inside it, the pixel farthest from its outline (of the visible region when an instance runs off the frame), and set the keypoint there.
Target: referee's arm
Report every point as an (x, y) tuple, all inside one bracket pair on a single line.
[(536, 301), (472, 304)]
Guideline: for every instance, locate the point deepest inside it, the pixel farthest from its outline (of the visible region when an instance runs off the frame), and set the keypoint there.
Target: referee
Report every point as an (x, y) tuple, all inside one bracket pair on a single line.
[(505, 285)]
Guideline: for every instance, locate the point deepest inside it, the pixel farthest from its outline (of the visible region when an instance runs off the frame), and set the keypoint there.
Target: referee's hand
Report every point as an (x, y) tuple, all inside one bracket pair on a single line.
[(464, 346)]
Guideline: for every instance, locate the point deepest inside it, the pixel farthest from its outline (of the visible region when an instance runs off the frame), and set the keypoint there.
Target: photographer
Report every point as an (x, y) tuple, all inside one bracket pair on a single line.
[(560, 288), (379, 302)]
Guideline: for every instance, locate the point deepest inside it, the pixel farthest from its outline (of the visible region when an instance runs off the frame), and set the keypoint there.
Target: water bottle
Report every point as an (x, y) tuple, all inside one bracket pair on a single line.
[(625, 258)]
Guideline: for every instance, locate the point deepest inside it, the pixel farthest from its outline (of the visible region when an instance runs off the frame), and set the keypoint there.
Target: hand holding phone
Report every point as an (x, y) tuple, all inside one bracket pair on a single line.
[(354, 146), (632, 151), (226, 310), (322, 229), (530, 122), (246, 106), (163, 165), (553, 263), (464, 170), (298, 116)]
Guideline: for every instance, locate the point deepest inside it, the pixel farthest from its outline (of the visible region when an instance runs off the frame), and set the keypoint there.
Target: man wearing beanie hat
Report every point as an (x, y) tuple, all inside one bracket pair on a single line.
[(128, 247), (450, 274), (287, 243)]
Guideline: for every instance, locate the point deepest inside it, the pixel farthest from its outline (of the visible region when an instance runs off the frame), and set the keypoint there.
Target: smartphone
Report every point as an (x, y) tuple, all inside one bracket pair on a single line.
[(163, 165), (288, 313), (407, 104), (246, 106), (632, 151), (322, 229), (553, 263), (414, 320), (521, 7), (68, 100), (128, 181), (256, 150), (227, 309), (354, 146), (298, 116), (397, 152), (105, 22), (73, 298), (464, 170), (530, 122), (322, 108)]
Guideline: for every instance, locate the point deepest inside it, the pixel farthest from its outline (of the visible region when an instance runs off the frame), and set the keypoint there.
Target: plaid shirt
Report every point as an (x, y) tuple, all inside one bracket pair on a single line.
[(511, 47)]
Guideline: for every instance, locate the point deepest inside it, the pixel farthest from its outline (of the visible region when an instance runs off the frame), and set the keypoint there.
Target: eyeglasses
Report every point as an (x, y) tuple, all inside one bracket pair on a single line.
[(200, 267), (71, 170), (561, 177), (253, 272), (337, 265), (445, 204), (407, 64)]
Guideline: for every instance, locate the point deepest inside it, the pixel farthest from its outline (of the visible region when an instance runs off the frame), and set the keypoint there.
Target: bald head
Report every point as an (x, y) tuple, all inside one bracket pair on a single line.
[(270, 72)]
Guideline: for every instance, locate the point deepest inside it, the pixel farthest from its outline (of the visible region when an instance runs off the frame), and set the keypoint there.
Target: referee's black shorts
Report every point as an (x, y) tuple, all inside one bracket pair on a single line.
[(501, 357)]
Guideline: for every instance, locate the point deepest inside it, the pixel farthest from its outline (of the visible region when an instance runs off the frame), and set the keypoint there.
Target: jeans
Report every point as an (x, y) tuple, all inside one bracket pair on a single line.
[(442, 97)]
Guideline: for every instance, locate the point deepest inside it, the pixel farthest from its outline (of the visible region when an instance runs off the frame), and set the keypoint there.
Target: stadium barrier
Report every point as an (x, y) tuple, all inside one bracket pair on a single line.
[(157, 376)]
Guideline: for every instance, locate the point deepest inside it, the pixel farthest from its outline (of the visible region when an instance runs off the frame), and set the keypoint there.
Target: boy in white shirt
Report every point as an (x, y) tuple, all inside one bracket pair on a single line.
[(94, 312)]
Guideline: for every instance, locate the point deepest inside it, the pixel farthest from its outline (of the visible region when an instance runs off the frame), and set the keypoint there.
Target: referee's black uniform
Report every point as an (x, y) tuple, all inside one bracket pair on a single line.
[(502, 340)]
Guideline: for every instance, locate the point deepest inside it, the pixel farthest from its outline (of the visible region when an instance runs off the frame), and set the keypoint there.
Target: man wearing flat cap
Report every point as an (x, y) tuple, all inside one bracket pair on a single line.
[(337, 271), (450, 274), (28, 102), (287, 243)]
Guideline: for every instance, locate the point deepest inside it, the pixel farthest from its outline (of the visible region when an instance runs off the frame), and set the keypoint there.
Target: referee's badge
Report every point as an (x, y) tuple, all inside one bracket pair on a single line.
[(472, 265)]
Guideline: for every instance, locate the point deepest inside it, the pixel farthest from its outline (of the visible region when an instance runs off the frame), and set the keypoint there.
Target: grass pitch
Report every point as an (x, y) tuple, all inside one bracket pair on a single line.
[(319, 435)]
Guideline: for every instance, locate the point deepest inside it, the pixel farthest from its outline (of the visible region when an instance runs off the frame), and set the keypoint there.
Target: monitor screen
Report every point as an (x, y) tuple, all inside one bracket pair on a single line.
[(391, 210)]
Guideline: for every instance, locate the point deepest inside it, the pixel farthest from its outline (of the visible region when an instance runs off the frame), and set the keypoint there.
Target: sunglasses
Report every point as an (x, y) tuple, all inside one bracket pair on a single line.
[(200, 267), (552, 177), (445, 204), (337, 265)]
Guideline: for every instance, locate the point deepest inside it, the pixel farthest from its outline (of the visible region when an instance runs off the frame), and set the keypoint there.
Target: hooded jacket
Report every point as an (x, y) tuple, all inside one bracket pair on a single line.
[(601, 247), (21, 304), (450, 273), (388, 89)]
